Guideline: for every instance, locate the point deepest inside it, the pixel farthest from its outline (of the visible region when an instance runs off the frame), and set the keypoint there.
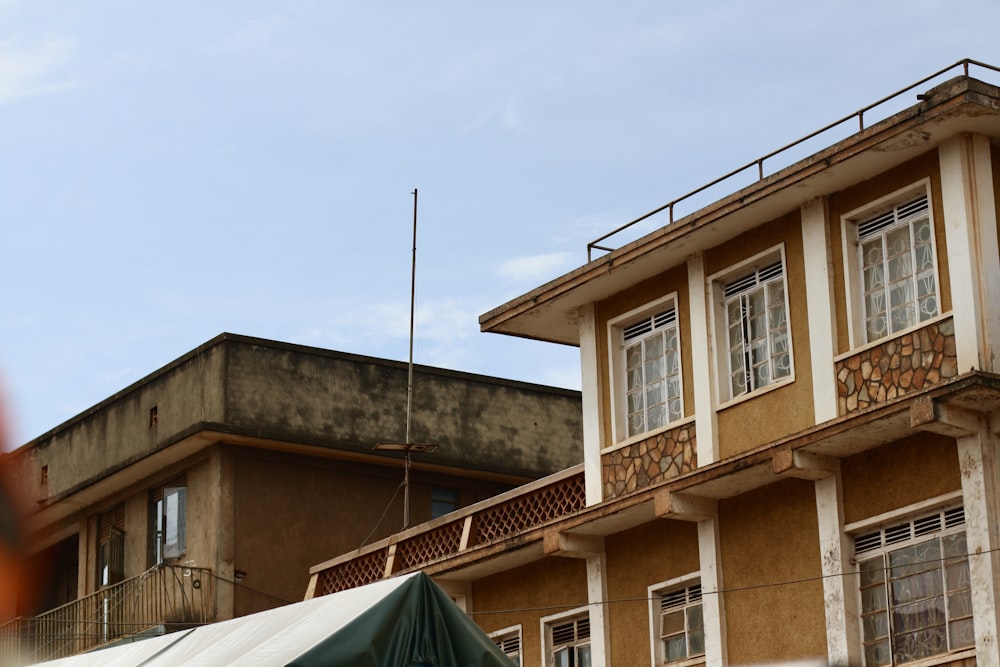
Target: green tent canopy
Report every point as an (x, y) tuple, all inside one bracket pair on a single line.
[(407, 621)]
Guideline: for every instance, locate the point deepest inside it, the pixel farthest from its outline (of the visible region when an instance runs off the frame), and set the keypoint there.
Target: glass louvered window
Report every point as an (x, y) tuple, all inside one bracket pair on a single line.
[(916, 598), (652, 372), (510, 644), (681, 623), (571, 643), (898, 269), (757, 325)]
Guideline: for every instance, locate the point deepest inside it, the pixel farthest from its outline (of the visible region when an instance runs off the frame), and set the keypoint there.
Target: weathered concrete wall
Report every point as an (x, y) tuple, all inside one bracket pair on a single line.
[(291, 511), (303, 395), (351, 402), (119, 430)]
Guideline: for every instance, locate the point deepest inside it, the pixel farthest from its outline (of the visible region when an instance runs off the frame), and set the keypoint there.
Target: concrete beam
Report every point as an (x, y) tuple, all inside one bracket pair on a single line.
[(572, 545), (683, 506), (804, 465), (927, 414)]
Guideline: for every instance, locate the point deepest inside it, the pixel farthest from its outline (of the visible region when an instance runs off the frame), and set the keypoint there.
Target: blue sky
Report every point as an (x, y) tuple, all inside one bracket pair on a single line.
[(170, 171)]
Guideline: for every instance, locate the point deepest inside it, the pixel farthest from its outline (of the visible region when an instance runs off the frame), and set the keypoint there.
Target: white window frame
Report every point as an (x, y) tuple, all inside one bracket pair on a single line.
[(505, 639), (897, 530), (169, 522), (548, 622), (617, 328), (655, 594), (850, 221), (718, 283)]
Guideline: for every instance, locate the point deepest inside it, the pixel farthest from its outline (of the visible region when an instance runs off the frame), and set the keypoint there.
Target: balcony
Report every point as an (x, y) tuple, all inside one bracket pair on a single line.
[(474, 529), (163, 599)]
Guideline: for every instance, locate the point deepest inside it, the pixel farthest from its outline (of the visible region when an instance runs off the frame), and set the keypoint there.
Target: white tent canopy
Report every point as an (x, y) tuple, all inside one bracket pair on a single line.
[(280, 636)]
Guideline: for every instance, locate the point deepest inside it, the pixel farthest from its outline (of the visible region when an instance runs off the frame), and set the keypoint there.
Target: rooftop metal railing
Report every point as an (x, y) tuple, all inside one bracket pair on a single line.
[(171, 596), (759, 162)]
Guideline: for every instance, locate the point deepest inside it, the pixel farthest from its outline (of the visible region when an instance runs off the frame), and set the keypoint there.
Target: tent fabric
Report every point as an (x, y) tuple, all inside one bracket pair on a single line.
[(402, 622)]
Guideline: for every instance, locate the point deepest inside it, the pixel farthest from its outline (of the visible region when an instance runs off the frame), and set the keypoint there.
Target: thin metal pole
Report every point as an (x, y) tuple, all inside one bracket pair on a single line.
[(409, 379)]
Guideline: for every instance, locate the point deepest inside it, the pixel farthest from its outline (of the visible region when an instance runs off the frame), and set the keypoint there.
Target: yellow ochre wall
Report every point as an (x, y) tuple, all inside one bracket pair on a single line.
[(772, 574), (765, 416), (905, 472), (637, 558), (525, 595)]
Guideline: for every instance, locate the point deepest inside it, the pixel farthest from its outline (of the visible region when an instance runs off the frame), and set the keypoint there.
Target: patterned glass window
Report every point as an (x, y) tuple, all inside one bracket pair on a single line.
[(757, 324), (571, 643), (898, 269), (652, 372), (916, 598), (681, 623)]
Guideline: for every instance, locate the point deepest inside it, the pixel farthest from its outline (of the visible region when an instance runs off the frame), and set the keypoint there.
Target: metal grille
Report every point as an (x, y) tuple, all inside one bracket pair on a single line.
[(430, 546), (362, 570), (531, 511)]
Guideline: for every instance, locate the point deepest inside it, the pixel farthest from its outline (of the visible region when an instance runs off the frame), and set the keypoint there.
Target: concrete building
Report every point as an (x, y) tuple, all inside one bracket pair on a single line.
[(207, 489), (789, 422)]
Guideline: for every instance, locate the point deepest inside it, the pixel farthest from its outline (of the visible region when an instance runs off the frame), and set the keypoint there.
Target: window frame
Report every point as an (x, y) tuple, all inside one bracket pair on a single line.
[(549, 622), (168, 515), (718, 282), (655, 594), (918, 523), (618, 365), (500, 637), (854, 280)]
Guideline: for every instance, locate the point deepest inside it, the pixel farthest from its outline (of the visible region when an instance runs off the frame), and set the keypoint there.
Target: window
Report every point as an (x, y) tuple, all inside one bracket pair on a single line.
[(168, 522), (569, 642), (509, 641), (646, 364), (652, 372), (111, 546), (756, 323), (677, 621), (443, 501), (896, 261), (916, 598)]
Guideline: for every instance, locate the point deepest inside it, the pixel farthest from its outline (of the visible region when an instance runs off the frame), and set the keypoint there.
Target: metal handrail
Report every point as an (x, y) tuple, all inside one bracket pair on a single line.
[(759, 162), (163, 595)]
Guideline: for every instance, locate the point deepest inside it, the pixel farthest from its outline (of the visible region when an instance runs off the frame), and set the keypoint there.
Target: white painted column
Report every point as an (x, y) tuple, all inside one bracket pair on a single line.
[(597, 596), (973, 257), (977, 457), (843, 640), (593, 414), (713, 605), (820, 307), (701, 359)]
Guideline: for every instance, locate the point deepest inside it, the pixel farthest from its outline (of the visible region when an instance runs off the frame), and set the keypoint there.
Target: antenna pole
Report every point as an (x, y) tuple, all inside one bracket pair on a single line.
[(409, 379)]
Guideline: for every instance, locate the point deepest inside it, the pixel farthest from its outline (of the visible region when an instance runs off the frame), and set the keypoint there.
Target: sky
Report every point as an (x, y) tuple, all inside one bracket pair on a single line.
[(173, 170)]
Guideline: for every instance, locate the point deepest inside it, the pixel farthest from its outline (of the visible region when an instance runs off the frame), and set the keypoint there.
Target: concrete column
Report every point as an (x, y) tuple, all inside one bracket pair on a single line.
[(977, 456), (702, 361), (843, 642), (967, 197), (597, 596), (591, 397), (821, 312), (712, 603)]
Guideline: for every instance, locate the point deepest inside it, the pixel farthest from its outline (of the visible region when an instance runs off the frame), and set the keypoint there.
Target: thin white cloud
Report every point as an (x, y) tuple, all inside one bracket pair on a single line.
[(535, 268), (29, 71)]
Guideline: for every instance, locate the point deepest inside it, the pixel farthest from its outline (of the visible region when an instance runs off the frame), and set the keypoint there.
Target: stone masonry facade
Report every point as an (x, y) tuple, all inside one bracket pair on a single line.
[(896, 367), (648, 461)]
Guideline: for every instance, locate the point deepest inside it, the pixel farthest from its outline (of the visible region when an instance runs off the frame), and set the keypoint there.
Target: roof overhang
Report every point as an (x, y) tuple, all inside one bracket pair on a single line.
[(550, 312)]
